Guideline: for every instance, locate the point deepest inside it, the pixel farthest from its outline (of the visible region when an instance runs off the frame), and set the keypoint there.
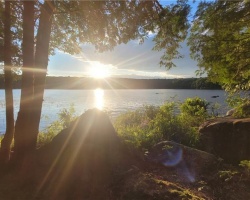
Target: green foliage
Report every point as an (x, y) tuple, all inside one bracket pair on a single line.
[(219, 41), (172, 26), (133, 126), (246, 165), (16, 31), (193, 113), (227, 174), (118, 22), (194, 106), (241, 104), (214, 108), (204, 83), (149, 125), (171, 126), (66, 116), (243, 109), (235, 100)]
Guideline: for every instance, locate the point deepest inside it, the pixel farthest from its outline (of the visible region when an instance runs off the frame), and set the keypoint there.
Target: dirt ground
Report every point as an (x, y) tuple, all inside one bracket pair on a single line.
[(149, 182)]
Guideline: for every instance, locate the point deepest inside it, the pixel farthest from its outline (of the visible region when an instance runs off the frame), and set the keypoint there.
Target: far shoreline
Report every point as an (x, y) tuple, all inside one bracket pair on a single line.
[(83, 83)]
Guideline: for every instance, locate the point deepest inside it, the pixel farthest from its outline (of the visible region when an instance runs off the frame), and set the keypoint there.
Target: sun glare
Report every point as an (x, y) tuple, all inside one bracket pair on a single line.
[(99, 71), (99, 100)]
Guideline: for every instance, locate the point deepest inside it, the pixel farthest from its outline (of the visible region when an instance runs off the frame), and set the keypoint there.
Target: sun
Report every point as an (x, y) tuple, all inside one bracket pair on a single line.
[(99, 71)]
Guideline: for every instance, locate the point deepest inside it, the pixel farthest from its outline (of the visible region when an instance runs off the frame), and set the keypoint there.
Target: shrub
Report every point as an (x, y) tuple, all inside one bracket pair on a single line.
[(242, 110), (240, 103), (195, 107), (194, 111), (133, 126), (65, 117), (149, 125)]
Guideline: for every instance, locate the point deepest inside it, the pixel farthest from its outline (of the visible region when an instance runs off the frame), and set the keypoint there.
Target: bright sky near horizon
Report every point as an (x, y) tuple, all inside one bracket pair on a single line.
[(131, 60)]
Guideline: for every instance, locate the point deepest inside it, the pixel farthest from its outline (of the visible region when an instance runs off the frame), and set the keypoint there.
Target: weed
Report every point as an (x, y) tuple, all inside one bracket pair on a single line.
[(246, 165), (227, 174)]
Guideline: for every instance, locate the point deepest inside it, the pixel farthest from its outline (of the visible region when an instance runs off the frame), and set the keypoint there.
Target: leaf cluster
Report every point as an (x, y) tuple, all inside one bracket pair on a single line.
[(171, 27), (16, 32), (243, 109), (220, 41), (104, 24)]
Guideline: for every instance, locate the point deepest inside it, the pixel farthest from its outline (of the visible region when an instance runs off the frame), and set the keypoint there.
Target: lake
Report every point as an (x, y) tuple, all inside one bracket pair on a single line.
[(114, 101)]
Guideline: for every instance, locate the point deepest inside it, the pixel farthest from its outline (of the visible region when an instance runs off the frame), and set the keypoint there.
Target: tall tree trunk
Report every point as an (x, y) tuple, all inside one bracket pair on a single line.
[(8, 137), (24, 140), (41, 63)]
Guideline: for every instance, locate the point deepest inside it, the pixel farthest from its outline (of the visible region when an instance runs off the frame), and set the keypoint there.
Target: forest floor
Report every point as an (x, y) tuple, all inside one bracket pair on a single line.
[(150, 182), (90, 162)]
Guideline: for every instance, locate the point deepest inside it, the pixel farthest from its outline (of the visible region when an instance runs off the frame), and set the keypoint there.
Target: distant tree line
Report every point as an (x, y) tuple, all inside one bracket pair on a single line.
[(120, 83)]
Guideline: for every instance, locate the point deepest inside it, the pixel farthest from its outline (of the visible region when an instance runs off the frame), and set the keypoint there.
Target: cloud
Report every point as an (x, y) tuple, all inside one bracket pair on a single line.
[(126, 60)]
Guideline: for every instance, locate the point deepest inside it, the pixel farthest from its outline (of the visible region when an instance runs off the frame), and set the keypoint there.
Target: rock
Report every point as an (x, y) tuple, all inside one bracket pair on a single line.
[(227, 138), (230, 112), (188, 161), (80, 160)]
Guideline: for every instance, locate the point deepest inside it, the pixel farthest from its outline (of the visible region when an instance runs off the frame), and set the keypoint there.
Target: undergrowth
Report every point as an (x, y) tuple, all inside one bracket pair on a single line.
[(146, 126), (172, 121), (65, 117)]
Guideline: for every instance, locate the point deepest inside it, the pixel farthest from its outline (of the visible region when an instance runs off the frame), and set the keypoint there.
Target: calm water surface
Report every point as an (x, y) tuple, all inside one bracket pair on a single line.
[(114, 101)]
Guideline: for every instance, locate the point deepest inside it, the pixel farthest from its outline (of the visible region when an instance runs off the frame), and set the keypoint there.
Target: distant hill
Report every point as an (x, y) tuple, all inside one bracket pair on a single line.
[(120, 83)]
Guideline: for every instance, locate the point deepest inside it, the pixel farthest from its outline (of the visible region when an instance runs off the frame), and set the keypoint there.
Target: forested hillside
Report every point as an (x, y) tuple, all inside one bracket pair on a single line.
[(120, 83)]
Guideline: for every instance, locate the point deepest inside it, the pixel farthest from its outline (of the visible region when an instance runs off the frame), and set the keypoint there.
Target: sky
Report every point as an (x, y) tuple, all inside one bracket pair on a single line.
[(131, 60)]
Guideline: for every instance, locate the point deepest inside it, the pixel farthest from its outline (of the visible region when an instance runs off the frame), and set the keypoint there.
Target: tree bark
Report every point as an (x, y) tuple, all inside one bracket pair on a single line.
[(8, 137), (24, 140), (41, 63)]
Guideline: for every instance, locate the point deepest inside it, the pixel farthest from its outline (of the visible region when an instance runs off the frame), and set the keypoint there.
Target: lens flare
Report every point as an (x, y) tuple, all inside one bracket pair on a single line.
[(173, 157)]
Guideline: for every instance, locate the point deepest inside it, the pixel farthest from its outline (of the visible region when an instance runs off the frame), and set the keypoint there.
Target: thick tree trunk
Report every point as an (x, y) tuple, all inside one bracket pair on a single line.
[(8, 137), (41, 63), (24, 140)]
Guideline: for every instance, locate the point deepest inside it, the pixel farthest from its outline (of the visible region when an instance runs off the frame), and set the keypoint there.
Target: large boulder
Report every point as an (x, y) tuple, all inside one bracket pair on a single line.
[(81, 160), (227, 138), (189, 163)]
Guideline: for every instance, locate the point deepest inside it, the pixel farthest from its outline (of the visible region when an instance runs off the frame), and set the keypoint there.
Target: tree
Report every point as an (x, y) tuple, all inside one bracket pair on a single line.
[(220, 42), (8, 137), (74, 23), (10, 57), (65, 25), (23, 140), (171, 28), (15, 31)]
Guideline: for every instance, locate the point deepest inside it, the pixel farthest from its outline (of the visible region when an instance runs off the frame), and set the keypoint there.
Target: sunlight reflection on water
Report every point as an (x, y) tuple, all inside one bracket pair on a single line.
[(115, 102), (99, 98)]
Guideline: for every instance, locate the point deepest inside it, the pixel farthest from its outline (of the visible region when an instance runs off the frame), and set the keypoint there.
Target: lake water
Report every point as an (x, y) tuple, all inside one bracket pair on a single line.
[(114, 101)]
